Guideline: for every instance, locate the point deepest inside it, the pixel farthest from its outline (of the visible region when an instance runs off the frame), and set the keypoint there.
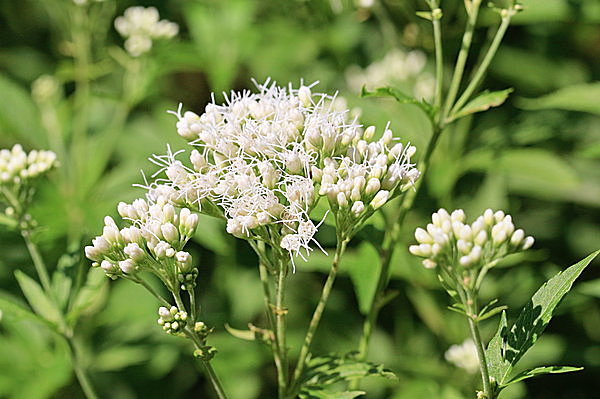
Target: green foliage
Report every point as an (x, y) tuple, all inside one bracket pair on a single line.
[(508, 346)]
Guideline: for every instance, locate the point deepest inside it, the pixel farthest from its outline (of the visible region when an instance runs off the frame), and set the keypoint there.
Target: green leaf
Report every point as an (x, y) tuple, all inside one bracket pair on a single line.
[(318, 392), (19, 115), (36, 297), (542, 370), (116, 358), (494, 353), (363, 273), (89, 296), (504, 351), (331, 369), (483, 102), (580, 97), (10, 308), (400, 97)]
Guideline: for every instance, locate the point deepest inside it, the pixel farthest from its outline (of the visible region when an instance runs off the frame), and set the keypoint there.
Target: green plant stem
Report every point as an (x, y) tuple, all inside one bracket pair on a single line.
[(208, 369), (152, 291), (391, 238), (80, 373), (463, 54), (471, 307), (439, 60), (317, 314), (214, 379), (280, 311), (66, 332), (38, 262), (485, 63)]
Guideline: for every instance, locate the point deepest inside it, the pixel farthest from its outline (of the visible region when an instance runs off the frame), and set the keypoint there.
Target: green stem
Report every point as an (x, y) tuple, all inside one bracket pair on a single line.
[(471, 307), (318, 313), (485, 63), (214, 379), (391, 238), (280, 314), (38, 262), (439, 59), (462, 56), (80, 373)]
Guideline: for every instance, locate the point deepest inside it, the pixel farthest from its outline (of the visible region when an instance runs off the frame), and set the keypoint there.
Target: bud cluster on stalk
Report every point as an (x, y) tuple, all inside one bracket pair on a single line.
[(140, 26), (452, 244), (172, 320), (153, 241), (263, 160)]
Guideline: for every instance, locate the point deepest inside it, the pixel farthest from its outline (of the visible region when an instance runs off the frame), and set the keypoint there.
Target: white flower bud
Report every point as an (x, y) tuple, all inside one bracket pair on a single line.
[(358, 207), (528, 242), (465, 233), (499, 236), (373, 186), (184, 261), (305, 96), (488, 217), (380, 199), (429, 264), (342, 201), (369, 133), (463, 246), (127, 266), (93, 253), (458, 215), (499, 216), (387, 137), (170, 233), (517, 237), (101, 244), (134, 251), (422, 236), (415, 250), (481, 238)]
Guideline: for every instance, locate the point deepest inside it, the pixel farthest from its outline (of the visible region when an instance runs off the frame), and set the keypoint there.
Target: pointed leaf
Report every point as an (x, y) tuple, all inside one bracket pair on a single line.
[(36, 297), (494, 353), (400, 97), (246, 335), (542, 370), (318, 392), (89, 295), (581, 97), (10, 307), (483, 102), (332, 368), (536, 315)]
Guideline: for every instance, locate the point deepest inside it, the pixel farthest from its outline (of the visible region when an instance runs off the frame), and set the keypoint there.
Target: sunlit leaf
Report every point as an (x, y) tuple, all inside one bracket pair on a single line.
[(581, 97), (541, 371), (36, 297), (483, 102)]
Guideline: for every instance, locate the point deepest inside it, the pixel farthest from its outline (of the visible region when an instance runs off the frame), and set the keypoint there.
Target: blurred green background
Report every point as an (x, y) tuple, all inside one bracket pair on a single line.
[(537, 157)]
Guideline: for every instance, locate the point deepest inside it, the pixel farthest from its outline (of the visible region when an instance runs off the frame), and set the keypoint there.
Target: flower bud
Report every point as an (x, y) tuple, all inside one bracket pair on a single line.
[(373, 186), (422, 236), (358, 207), (127, 266), (170, 233), (134, 251), (380, 199)]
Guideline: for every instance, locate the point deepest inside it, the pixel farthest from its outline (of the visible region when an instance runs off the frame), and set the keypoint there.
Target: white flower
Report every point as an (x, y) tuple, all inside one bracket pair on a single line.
[(17, 166), (464, 356), (139, 26)]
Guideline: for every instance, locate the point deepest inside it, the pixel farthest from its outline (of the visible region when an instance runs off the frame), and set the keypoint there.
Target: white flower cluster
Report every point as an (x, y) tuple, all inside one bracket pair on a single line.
[(140, 25), (264, 159), (153, 241), (17, 166), (172, 320), (464, 356), (397, 66), (449, 242)]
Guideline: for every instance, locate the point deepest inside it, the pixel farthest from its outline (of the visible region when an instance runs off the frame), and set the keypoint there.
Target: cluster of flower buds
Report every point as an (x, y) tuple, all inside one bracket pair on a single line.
[(464, 356), (172, 320), (396, 67), (140, 25), (17, 166), (153, 241), (264, 159), (369, 175), (451, 243)]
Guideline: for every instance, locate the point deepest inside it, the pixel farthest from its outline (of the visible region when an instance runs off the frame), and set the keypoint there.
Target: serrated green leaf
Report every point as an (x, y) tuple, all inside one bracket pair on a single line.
[(581, 97), (400, 97), (331, 369), (36, 297), (494, 353), (483, 102), (542, 370), (318, 392), (535, 316)]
